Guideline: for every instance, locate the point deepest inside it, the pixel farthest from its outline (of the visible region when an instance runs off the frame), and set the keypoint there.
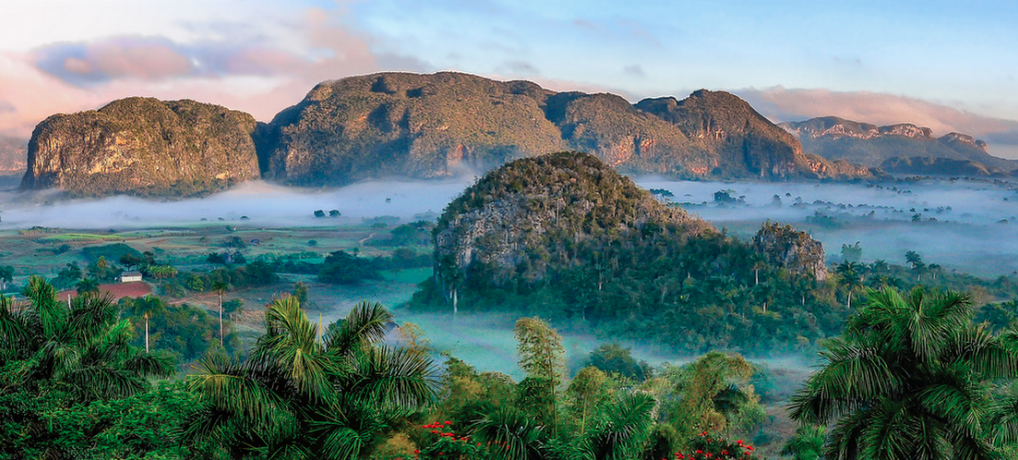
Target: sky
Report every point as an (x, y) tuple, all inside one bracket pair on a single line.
[(950, 66)]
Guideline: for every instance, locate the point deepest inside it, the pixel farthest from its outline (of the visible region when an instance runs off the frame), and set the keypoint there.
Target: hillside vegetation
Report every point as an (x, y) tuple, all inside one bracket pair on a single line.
[(565, 236)]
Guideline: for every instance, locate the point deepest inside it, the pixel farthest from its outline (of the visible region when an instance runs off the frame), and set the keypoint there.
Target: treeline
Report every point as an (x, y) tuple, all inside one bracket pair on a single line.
[(657, 284), (73, 386)]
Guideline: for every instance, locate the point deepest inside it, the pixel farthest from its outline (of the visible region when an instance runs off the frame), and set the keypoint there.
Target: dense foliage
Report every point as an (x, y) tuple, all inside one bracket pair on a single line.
[(913, 377), (565, 236)]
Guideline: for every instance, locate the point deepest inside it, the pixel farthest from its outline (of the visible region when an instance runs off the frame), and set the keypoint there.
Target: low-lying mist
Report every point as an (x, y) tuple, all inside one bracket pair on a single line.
[(970, 226), (262, 203)]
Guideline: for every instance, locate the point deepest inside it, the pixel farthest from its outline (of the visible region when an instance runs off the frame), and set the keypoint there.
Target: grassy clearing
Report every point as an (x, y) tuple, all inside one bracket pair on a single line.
[(78, 238)]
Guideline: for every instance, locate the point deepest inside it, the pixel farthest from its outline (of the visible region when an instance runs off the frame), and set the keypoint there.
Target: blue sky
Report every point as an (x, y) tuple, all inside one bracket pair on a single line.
[(947, 65)]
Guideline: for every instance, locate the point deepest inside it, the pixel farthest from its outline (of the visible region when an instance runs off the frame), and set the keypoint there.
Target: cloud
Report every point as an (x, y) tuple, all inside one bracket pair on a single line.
[(253, 73), (145, 58), (518, 68), (634, 71)]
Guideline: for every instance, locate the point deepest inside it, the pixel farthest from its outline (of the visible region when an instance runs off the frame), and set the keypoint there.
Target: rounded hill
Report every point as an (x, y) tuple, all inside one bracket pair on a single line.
[(143, 146), (565, 236)]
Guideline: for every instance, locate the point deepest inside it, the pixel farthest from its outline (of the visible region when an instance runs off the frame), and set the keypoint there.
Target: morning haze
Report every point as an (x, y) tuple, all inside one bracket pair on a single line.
[(398, 230)]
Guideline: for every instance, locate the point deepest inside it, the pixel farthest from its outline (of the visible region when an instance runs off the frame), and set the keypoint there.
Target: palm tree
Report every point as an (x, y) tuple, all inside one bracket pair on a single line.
[(83, 345), (622, 430), (219, 287), (87, 285), (850, 275), (147, 307), (297, 396), (907, 380)]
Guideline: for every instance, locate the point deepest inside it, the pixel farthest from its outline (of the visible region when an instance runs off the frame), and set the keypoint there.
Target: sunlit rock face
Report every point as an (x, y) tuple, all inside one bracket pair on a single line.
[(795, 250), (443, 124), (143, 146)]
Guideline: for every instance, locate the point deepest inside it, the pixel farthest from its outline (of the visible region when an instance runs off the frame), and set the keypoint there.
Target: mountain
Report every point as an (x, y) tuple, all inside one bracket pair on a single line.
[(143, 146), (13, 155), (897, 146), (564, 235), (435, 125)]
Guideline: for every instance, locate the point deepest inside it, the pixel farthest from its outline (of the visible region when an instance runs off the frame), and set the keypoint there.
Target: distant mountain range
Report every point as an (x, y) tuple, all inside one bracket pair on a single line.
[(13, 155), (444, 124), (899, 149)]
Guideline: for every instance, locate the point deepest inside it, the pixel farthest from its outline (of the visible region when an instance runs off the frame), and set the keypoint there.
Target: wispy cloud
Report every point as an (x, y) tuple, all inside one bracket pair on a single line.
[(246, 72)]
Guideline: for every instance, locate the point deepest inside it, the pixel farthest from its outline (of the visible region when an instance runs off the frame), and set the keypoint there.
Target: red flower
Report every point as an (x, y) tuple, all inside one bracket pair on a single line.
[(448, 422)]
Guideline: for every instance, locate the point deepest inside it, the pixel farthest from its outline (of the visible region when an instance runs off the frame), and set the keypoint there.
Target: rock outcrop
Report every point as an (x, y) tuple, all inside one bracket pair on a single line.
[(143, 146), (789, 248)]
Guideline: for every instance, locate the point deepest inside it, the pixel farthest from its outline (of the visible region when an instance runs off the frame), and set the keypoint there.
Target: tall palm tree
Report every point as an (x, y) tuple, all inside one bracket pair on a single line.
[(297, 396), (850, 275), (220, 287), (83, 345), (909, 379)]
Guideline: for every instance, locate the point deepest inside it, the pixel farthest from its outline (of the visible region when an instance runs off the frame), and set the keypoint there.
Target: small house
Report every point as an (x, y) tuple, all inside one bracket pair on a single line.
[(130, 277)]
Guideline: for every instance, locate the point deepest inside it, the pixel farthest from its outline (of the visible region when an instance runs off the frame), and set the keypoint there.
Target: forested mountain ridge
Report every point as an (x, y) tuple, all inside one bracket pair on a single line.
[(901, 148), (409, 125), (143, 146), (566, 236), (433, 125)]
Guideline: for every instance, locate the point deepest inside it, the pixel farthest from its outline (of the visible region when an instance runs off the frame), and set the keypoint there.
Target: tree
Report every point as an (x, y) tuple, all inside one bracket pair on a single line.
[(147, 307), (587, 391), (319, 213), (907, 380), (542, 358), (300, 291), (297, 396), (86, 286), (612, 358), (916, 261), (6, 276), (850, 276), (220, 287), (83, 346)]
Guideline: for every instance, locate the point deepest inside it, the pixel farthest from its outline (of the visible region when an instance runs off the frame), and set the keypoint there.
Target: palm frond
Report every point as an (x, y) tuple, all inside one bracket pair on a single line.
[(392, 377), (511, 434), (364, 324)]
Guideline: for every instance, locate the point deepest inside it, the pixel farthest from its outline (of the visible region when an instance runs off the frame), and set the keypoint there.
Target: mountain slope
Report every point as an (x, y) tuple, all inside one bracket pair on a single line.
[(870, 145), (433, 125), (143, 146)]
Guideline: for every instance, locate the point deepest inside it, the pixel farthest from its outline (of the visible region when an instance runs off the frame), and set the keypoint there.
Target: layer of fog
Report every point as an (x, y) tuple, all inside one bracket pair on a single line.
[(968, 233), (260, 202), (971, 226)]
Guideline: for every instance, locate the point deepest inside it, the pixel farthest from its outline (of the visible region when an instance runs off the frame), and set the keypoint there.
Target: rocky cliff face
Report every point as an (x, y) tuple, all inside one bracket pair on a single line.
[(143, 146), (435, 125), (834, 128), (903, 145), (745, 143), (555, 212), (522, 214), (795, 250), (408, 125)]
